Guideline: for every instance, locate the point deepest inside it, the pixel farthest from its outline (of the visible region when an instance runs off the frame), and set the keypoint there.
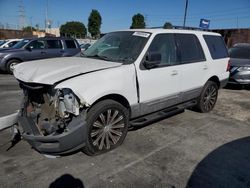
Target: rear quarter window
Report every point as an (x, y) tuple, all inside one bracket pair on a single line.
[(216, 46), (70, 44)]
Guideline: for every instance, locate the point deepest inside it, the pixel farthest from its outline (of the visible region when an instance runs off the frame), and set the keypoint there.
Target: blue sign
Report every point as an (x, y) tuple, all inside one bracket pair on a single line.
[(204, 23)]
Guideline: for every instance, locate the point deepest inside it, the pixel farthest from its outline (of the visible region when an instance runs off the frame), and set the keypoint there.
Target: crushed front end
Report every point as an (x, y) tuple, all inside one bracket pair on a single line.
[(52, 120)]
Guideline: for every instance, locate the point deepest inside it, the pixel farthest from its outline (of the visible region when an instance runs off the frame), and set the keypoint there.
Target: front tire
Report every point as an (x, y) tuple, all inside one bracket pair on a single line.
[(107, 127), (208, 97), (11, 64)]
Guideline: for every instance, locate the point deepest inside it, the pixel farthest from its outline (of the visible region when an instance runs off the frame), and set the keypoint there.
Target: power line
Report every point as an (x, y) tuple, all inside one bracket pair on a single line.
[(203, 13)]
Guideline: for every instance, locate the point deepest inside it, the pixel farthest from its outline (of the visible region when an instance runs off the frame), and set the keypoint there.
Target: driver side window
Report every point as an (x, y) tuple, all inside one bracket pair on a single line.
[(37, 44), (164, 44)]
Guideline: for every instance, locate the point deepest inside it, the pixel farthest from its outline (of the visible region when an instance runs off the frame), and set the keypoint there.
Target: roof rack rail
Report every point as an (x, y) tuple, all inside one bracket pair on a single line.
[(182, 27)]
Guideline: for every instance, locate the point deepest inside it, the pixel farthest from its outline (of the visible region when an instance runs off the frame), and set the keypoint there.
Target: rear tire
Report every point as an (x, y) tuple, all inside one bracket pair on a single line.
[(107, 127), (11, 64), (208, 97)]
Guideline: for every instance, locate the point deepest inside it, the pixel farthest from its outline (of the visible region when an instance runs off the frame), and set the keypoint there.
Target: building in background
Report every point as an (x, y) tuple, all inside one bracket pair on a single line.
[(53, 31), (233, 36)]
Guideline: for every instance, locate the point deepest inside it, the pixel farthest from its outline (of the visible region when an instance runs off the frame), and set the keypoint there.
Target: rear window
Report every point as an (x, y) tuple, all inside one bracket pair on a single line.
[(52, 44), (189, 48), (240, 53), (70, 44), (216, 46)]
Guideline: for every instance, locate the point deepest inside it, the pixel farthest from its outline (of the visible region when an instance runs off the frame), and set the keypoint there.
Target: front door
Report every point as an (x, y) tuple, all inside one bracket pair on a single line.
[(35, 50), (159, 87)]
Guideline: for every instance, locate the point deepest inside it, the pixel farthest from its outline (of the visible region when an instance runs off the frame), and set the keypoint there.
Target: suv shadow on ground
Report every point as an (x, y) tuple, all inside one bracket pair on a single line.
[(227, 166), (67, 180)]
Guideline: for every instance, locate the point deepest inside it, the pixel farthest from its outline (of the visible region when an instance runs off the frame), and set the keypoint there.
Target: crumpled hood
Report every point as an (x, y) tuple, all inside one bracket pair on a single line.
[(50, 71)]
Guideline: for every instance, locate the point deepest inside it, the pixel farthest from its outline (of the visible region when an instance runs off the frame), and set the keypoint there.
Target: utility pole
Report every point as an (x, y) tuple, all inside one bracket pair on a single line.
[(185, 15), (22, 18), (46, 14), (146, 20)]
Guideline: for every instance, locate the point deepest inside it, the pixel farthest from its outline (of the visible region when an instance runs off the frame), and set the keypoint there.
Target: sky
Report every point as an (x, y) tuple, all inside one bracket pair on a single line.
[(117, 14)]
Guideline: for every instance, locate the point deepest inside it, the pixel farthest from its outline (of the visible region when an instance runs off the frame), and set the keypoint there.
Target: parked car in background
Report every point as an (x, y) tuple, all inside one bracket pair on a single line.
[(38, 48), (9, 43), (2, 42), (127, 78), (240, 64), (85, 46)]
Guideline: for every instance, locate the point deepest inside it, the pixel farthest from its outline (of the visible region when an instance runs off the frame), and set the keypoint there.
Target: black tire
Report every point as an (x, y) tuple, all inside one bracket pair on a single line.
[(107, 127), (208, 97), (10, 65)]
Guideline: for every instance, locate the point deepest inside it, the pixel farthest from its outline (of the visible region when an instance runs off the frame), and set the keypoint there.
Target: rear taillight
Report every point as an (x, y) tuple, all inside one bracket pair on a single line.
[(228, 65)]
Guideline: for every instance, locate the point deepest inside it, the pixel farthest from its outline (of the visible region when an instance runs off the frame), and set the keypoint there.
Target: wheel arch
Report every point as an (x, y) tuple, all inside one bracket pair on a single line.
[(116, 97), (12, 58), (215, 79)]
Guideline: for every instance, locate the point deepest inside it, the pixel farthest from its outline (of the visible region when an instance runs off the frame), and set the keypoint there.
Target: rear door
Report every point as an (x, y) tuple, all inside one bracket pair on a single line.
[(193, 65), (54, 48)]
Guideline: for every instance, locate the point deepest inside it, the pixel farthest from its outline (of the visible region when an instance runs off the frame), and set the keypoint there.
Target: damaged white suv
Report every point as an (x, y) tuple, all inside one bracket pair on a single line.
[(127, 78)]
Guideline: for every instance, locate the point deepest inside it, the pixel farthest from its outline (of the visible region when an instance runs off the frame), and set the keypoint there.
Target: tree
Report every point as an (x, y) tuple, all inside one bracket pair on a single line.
[(168, 25), (29, 29), (73, 29), (138, 22), (94, 24)]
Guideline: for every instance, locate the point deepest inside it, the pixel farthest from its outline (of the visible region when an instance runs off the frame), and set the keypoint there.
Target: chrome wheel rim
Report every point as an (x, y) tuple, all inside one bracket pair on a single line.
[(107, 129), (12, 65), (210, 97)]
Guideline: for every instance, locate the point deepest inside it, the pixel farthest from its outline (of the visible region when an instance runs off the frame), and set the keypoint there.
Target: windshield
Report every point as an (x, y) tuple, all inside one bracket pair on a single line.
[(122, 46), (241, 53), (21, 43), (2, 42)]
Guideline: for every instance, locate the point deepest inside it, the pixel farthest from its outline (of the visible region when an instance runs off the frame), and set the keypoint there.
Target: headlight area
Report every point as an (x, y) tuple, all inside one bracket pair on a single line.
[(51, 119)]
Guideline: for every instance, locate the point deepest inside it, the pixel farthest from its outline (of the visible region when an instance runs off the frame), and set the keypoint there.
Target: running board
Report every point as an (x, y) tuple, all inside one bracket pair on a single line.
[(156, 116)]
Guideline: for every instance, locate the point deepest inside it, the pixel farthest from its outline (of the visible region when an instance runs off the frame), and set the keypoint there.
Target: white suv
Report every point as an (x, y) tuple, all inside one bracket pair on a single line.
[(127, 78)]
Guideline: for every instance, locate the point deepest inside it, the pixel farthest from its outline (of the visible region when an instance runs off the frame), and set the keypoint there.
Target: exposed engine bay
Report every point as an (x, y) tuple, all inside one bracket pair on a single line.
[(50, 109)]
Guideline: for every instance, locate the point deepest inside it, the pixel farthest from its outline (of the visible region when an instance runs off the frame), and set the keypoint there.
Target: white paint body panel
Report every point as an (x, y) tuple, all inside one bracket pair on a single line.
[(91, 87), (50, 71)]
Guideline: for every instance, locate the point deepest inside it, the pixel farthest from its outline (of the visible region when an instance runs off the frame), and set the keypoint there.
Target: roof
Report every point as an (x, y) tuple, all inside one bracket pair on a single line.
[(242, 45), (157, 31)]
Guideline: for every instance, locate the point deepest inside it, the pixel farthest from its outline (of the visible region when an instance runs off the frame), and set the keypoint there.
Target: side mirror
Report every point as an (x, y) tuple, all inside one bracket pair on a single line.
[(153, 59), (29, 48)]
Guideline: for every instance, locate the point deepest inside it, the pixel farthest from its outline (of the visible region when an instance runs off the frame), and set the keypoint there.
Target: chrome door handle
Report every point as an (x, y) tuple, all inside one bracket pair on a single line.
[(174, 73), (205, 67)]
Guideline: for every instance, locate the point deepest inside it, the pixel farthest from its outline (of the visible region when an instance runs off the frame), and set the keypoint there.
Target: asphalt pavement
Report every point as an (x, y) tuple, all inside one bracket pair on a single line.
[(187, 150)]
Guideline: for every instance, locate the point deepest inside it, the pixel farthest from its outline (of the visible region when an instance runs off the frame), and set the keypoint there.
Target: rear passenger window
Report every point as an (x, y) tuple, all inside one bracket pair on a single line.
[(216, 46), (70, 44), (189, 48), (54, 44)]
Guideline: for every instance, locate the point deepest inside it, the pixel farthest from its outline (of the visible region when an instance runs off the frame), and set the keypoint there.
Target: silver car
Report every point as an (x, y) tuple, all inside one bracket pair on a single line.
[(240, 64)]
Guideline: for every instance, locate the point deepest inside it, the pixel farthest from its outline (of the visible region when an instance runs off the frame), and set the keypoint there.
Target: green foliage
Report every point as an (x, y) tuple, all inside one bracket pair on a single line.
[(29, 29), (168, 25), (138, 22), (94, 24), (73, 29)]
